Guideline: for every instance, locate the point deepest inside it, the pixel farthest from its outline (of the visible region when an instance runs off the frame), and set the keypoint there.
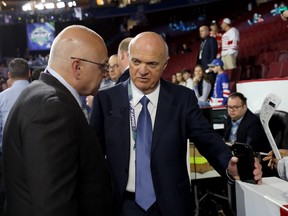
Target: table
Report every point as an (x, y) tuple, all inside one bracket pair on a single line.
[(268, 199)]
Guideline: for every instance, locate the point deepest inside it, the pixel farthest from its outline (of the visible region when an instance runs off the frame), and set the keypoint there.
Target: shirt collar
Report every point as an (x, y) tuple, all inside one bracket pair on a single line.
[(137, 95), (65, 83), (236, 122)]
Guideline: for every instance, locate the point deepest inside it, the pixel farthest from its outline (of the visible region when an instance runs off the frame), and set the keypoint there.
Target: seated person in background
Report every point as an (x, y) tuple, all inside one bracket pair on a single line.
[(275, 10), (201, 83), (173, 79), (257, 18), (281, 165), (221, 89), (185, 49), (186, 73), (244, 126), (180, 79), (282, 7), (113, 73)]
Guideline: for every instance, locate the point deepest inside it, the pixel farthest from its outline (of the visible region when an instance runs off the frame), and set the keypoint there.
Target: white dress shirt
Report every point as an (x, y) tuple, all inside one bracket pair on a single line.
[(152, 107)]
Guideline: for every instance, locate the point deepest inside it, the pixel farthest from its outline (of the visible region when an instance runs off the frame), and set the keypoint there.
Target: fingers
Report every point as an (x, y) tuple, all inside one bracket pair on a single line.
[(233, 168), (257, 172), (270, 164), (269, 156), (234, 160)]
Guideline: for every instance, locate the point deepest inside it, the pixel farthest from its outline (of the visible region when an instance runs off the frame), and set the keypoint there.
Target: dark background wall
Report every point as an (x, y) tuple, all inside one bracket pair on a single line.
[(107, 22)]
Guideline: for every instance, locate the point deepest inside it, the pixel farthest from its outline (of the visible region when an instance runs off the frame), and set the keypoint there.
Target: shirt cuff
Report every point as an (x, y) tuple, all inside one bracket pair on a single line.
[(230, 179)]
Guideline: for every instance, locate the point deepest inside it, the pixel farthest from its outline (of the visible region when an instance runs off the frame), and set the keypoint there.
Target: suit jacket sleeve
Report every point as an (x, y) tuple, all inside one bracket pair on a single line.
[(208, 142)]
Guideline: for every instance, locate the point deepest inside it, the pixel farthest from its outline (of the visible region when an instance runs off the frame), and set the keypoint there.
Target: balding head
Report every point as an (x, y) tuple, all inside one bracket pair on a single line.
[(148, 55), (204, 31), (70, 49), (151, 41)]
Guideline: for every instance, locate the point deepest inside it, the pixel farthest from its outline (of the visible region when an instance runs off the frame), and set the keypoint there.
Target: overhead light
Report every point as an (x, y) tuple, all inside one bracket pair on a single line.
[(27, 7), (49, 5), (39, 6), (4, 3), (44, 4), (72, 4), (60, 4)]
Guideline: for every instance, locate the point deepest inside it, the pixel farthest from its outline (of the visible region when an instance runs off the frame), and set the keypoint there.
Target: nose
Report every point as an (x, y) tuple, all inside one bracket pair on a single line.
[(143, 69)]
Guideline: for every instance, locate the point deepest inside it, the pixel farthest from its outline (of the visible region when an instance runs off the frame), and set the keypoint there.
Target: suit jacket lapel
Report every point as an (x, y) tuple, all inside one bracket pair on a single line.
[(164, 107), (125, 121)]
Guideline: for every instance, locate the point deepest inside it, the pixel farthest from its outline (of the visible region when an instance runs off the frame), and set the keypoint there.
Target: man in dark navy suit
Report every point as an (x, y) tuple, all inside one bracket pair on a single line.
[(175, 117), (207, 51)]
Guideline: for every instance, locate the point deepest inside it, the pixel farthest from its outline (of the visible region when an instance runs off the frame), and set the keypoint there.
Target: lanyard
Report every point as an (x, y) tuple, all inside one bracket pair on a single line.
[(132, 113)]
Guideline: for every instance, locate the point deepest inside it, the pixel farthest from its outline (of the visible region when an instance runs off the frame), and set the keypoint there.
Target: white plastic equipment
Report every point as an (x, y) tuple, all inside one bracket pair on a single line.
[(269, 105)]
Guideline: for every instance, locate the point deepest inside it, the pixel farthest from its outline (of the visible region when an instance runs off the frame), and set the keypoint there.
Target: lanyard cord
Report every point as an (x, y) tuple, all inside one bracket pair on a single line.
[(132, 114)]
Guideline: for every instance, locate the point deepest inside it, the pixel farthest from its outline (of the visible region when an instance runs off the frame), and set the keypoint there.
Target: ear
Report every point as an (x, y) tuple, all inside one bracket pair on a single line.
[(122, 55), (165, 64), (76, 68)]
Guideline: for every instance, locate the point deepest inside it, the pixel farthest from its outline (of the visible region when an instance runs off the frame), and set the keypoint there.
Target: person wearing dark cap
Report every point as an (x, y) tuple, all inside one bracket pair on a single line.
[(230, 44), (221, 90)]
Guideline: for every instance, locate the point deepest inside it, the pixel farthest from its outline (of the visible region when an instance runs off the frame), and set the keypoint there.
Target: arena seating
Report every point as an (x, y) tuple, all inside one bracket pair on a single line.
[(263, 50)]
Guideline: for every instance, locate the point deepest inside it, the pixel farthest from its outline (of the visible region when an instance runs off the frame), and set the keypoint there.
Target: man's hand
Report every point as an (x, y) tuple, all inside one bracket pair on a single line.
[(233, 171), (284, 15), (273, 162)]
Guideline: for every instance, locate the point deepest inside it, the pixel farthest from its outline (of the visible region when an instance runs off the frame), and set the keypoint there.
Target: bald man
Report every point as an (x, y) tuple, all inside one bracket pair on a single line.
[(174, 118), (53, 164), (208, 48)]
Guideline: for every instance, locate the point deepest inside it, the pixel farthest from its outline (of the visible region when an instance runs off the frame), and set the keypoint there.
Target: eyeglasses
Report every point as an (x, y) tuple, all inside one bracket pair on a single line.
[(113, 66), (233, 108), (102, 66)]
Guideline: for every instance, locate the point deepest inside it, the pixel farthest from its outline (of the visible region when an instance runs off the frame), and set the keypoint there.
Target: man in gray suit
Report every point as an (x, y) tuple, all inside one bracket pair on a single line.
[(53, 164)]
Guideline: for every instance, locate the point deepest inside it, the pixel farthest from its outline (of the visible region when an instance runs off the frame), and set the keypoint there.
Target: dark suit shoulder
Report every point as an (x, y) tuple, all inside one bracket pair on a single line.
[(48, 89), (124, 76), (251, 118)]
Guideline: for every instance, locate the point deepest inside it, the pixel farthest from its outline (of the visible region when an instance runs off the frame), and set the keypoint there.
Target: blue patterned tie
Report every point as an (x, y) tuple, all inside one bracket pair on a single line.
[(145, 194)]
